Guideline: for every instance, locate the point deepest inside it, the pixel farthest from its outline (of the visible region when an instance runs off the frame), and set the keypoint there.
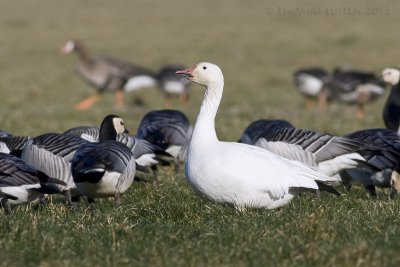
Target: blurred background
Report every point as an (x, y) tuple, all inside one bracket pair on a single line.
[(258, 45)]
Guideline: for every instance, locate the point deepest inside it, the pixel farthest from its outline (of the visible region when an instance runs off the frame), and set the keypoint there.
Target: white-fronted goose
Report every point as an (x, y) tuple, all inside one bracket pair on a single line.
[(310, 82), (236, 173), (391, 110), (105, 168), (22, 183), (355, 87), (108, 74)]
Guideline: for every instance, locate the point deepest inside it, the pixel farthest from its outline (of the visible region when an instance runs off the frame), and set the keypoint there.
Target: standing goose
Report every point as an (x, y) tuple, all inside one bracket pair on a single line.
[(21, 183), (51, 153), (235, 173), (391, 111), (168, 129), (172, 84), (108, 74), (310, 82), (106, 168), (145, 153), (355, 87)]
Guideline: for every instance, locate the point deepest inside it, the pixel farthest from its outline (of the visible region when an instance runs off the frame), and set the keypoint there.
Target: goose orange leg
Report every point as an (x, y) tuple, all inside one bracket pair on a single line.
[(183, 98), (360, 114), (87, 102), (119, 98), (309, 104)]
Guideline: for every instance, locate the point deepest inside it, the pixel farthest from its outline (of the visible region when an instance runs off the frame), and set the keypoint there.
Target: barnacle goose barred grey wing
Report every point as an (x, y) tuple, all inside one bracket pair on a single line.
[(263, 127), (89, 133), (13, 144), (330, 153), (51, 153)]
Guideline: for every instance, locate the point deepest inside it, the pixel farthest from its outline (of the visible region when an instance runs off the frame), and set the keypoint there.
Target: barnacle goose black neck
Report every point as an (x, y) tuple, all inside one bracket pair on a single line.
[(105, 168), (21, 183), (391, 110)]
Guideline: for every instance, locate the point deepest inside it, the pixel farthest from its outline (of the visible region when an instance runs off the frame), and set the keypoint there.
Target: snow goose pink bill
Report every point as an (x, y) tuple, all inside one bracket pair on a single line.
[(235, 173)]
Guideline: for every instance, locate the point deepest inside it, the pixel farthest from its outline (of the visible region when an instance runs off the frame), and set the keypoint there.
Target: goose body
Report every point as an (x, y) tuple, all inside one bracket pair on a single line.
[(310, 82), (22, 183), (167, 129), (108, 74), (355, 87), (51, 153), (262, 128), (391, 110), (172, 84), (235, 173), (105, 168)]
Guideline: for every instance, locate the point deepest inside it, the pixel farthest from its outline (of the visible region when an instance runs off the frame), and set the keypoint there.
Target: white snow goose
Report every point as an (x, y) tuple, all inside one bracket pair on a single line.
[(355, 87), (105, 168), (22, 183), (330, 154), (145, 153), (108, 74), (168, 129), (391, 110), (235, 173), (172, 84), (51, 153), (310, 82)]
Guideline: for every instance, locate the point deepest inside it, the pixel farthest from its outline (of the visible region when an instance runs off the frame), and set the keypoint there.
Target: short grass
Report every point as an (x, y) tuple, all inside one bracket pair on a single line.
[(167, 224)]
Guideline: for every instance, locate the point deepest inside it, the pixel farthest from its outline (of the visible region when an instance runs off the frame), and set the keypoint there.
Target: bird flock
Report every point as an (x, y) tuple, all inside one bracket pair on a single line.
[(272, 163)]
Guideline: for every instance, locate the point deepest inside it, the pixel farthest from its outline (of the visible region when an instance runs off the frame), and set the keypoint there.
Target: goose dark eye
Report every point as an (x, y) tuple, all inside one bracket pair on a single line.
[(204, 68)]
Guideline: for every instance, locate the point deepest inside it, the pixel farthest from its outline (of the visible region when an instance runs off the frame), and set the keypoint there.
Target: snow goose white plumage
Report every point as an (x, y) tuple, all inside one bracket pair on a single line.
[(105, 168), (235, 173)]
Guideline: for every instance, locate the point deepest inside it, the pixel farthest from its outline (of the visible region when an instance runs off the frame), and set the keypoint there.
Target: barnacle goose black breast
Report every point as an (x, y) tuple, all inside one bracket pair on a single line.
[(105, 168), (391, 110)]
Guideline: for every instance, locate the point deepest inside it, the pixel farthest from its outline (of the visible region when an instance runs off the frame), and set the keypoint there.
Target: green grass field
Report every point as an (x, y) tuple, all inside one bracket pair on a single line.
[(258, 44)]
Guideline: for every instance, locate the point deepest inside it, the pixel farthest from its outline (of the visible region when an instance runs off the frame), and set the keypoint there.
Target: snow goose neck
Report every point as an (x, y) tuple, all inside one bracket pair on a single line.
[(22, 183), (310, 82), (235, 173), (106, 168), (106, 73), (391, 110)]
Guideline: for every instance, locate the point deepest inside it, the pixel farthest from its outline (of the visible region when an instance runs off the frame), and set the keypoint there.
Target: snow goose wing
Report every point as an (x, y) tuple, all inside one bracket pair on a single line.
[(235, 173)]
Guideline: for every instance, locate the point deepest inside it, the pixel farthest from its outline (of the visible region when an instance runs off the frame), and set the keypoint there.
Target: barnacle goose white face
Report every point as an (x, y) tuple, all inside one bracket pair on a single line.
[(68, 47), (391, 76), (395, 181), (119, 125)]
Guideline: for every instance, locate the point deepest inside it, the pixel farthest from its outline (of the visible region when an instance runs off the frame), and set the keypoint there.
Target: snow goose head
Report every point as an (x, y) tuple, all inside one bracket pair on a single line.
[(204, 73), (391, 76)]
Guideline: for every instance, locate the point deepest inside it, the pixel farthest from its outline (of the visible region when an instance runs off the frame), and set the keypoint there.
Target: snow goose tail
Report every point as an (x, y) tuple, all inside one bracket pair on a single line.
[(105, 168), (22, 183), (51, 154), (391, 110), (236, 173)]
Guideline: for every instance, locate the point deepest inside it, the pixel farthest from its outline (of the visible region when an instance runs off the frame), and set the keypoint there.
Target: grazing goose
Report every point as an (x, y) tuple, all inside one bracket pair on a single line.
[(168, 129), (108, 74), (259, 128), (235, 173), (172, 84), (21, 183), (310, 82), (51, 153), (385, 163), (145, 153), (106, 168), (330, 154), (355, 87), (391, 111), (13, 144)]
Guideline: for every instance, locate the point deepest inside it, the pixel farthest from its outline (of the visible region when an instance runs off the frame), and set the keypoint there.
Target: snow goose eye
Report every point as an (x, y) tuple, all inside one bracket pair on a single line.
[(204, 67)]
